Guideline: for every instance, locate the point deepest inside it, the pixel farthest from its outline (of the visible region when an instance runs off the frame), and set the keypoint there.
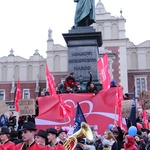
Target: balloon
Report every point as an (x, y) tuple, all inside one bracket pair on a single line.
[(111, 126), (132, 131), (139, 126)]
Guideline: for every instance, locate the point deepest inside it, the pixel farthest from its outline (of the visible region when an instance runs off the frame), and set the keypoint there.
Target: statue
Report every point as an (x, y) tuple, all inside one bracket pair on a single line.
[(85, 12), (82, 85)]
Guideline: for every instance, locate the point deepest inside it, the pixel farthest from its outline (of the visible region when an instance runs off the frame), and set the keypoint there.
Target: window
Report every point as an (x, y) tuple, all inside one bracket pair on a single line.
[(2, 95), (26, 93), (140, 84)]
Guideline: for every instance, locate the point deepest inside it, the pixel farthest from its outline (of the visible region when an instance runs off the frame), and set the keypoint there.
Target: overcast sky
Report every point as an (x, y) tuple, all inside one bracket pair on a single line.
[(24, 24)]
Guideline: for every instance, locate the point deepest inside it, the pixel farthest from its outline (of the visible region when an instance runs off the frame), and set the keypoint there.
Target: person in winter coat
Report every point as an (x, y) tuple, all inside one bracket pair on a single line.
[(129, 143)]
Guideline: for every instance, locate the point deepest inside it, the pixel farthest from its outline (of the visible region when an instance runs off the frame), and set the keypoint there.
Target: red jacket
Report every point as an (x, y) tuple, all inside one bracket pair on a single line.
[(59, 147), (8, 146), (1, 147), (130, 145), (35, 146), (70, 81)]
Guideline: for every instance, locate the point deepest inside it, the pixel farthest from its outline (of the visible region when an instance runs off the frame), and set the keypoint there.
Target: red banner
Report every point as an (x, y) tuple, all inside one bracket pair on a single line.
[(103, 68), (99, 110)]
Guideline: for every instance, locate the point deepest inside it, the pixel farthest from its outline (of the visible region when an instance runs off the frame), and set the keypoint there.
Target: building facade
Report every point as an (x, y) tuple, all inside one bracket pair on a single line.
[(129, 64)]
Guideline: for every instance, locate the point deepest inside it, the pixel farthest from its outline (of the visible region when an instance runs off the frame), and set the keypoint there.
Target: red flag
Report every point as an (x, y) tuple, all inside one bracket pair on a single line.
[(18, 95), (65, 110), (119, 104), (145, 119), (103, 69), (51, 82)]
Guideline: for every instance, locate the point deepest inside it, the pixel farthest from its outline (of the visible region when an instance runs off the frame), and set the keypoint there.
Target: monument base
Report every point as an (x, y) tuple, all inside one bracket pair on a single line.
[(83, 43)]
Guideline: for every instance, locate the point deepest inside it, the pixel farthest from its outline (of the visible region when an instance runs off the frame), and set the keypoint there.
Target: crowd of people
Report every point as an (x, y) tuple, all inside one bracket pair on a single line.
[(27, 137), (21, 133)]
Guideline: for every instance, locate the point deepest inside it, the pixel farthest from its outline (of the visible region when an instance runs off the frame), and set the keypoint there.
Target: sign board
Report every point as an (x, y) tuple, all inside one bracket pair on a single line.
[(144, 99), (26, 107), (3, 107), (126, 108)]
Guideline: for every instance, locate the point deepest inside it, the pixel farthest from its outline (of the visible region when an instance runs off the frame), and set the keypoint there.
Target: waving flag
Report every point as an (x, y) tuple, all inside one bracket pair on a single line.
[(145, 119), (79, 118), (103, 69), (65, 110), (18, 95), (51, 82), (119, 104), (132, 117)]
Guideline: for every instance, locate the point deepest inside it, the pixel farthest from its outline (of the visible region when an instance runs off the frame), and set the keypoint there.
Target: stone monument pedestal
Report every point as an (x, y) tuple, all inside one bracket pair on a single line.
[(83, 43)]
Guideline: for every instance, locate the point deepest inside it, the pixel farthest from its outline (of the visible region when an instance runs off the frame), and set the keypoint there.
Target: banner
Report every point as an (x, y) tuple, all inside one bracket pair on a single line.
[(126, 108), (99, 110), (26, 107), (3, 108)]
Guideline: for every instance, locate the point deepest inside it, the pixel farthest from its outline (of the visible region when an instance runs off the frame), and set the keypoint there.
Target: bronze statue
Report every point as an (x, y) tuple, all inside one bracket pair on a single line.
[(85, 12)]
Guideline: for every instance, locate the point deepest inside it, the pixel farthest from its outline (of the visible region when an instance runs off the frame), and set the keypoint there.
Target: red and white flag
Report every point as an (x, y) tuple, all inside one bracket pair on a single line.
[(18, 95), (103, 69)]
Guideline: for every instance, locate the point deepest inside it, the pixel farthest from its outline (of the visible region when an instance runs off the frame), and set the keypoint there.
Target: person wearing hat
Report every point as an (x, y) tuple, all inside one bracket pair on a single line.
[(14, 137), (52, 139), (62, 135), (41, 137), (4, 138), (28, 131), (113, 83)]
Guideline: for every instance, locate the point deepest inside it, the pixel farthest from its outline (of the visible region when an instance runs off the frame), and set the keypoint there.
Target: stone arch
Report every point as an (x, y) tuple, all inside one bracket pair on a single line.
[(134, 63), (42, 72), (16, 72), (4, 73), (57, 63), (114, 31), (29, 72), (148, 60)]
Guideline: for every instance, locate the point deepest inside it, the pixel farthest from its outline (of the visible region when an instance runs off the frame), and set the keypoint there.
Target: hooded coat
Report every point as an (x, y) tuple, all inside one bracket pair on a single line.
[(130, 145)]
